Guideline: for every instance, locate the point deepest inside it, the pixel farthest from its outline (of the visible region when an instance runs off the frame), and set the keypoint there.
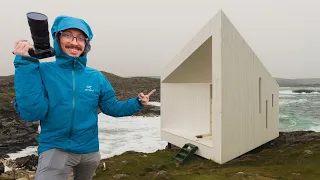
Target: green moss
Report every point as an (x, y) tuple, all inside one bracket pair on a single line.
[(287, 163)]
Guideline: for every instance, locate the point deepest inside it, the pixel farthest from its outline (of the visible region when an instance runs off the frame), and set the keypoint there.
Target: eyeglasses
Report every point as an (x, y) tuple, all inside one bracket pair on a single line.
[(70, 37)]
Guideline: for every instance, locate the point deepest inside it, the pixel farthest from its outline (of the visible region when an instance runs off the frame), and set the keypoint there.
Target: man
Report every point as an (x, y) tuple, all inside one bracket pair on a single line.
[(65, 95)]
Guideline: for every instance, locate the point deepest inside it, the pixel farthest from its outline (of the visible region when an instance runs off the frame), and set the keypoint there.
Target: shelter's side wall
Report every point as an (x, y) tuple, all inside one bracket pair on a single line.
[(186, 107), (245, 124), (268, 105)]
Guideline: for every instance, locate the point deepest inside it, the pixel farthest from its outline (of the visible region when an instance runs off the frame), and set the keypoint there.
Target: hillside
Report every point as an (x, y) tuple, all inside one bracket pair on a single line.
[(129, 87)]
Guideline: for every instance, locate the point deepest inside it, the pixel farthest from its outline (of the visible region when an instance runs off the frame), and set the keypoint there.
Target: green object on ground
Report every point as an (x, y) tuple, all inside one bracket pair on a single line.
[(186, 152)]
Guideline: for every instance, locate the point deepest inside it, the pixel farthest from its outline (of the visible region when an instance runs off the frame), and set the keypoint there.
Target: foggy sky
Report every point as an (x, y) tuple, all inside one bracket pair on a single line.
[(139, 37)]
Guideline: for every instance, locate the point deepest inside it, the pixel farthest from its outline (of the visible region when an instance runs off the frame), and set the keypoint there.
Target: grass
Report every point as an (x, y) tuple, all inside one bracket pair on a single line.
[(275, 163)]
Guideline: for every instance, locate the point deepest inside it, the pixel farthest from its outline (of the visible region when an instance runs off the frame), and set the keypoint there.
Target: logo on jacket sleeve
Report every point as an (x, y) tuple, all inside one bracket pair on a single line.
[(88, 88)]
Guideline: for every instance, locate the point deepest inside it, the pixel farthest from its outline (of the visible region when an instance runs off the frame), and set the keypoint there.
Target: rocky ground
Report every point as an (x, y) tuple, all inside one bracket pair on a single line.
[(293, 155), (15, 134)]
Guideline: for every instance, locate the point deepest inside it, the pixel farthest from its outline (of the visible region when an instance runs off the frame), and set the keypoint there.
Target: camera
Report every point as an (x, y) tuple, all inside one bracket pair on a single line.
[(38, 24)]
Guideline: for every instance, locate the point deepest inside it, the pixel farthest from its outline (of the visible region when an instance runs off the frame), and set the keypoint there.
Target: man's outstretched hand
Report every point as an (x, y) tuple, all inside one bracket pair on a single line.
[(145, 98)]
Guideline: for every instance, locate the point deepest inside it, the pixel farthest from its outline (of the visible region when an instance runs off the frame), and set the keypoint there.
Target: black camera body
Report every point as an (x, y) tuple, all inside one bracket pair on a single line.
[(41, 54), (38, 24)]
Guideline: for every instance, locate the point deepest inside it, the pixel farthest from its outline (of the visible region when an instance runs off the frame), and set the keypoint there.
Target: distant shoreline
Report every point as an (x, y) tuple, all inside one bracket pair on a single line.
[(307, 82)]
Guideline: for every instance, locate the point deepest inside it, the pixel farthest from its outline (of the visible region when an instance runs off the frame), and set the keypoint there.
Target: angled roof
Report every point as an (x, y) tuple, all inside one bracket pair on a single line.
[(191, 63)]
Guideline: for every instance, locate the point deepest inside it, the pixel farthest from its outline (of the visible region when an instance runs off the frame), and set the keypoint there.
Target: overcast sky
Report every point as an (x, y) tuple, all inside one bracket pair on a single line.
[(139, 37)]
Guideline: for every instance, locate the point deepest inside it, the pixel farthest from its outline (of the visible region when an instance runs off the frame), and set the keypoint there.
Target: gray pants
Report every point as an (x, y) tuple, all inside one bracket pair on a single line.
[(56, 164)]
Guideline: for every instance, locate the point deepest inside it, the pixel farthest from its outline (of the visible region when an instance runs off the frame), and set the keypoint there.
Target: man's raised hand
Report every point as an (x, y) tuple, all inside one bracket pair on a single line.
[(22, 47), (145, 98)]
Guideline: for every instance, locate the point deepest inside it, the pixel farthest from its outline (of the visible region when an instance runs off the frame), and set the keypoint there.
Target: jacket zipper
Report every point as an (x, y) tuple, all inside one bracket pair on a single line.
[(73, 104)]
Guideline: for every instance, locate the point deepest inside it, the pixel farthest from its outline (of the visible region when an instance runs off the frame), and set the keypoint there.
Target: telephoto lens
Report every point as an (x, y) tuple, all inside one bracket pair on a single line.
[(38, 24)]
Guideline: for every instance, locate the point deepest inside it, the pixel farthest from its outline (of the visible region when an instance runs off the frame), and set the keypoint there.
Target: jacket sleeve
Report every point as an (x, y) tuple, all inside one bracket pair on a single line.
[(109, 105), (31, 102)]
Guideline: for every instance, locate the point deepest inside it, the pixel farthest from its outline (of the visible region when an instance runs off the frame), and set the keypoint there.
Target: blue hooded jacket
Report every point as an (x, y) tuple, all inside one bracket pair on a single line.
[(65, 95)]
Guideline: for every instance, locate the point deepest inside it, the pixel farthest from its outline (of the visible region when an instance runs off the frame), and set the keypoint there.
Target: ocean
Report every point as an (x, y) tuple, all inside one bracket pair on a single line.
[(297, 111)]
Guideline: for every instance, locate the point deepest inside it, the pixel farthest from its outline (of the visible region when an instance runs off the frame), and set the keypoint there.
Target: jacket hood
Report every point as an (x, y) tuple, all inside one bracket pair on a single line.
[(62, 59)]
